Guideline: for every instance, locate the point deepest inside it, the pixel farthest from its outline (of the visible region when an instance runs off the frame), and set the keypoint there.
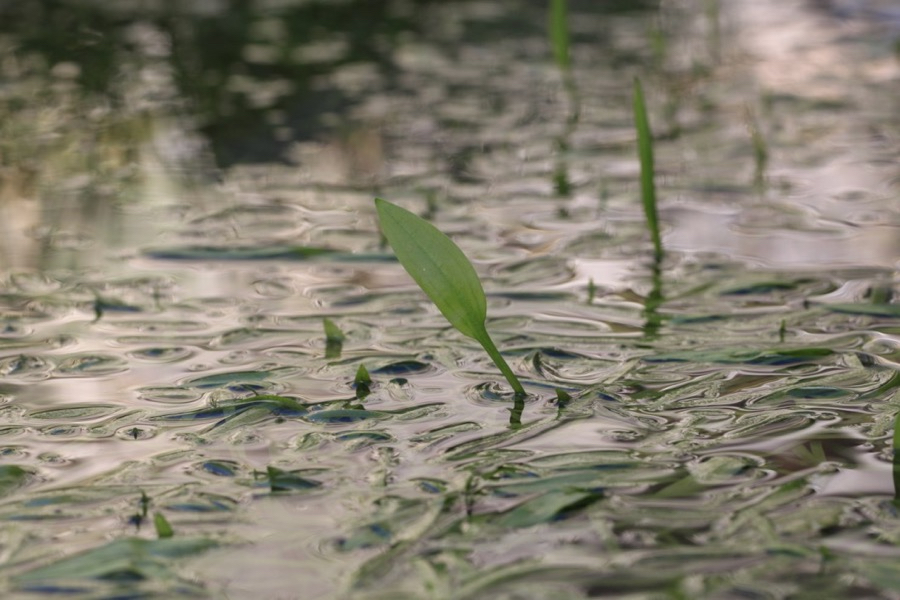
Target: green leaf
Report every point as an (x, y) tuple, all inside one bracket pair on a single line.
[(362, 381), (362, 376), (334, 339), (444, 274), (333, 333), (559, 33), (437, 265), (645, 153), (163, 528), (896, 458), (12, 477)]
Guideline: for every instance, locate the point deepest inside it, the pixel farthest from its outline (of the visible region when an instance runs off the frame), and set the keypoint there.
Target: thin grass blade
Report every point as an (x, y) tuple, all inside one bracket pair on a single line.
[(896, 459), (559, 33), (645, 153)]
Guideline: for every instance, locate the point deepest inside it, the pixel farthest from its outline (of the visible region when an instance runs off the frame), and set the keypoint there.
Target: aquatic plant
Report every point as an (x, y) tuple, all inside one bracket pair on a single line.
[(280, 480), (895, 463), (645, 154), (446, 276), (334, 339), (162, 526), (362, 382), (760, 148), (559, 33)]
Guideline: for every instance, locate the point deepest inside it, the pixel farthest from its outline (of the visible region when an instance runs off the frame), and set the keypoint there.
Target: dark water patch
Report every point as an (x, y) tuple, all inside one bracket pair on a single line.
[(268, 405), (773, 357), (339, 416), (404, 367), (62, 431), (231, 378), (160, 354), (219, 468), (237, 253)]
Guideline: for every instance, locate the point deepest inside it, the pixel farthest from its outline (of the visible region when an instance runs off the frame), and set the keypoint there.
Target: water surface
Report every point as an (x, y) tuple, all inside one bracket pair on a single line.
[(187, 192)]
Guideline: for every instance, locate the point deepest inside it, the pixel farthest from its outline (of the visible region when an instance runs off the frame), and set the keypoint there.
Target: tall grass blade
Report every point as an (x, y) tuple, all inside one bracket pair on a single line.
[(559, 33), (896, 459), (645, 153), (446, 276)]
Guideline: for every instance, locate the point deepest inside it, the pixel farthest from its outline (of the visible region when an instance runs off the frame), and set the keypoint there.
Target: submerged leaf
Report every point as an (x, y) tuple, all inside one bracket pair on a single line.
[(548, 507), (286, 481), (126, 558), (891, 311), (12, 477)]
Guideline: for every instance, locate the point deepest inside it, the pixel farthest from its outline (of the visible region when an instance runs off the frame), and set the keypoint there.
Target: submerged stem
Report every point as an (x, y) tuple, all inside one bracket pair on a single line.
[(488, 344)]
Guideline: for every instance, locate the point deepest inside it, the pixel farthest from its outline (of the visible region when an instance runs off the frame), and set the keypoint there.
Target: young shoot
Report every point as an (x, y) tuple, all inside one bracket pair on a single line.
[(334, 339), (559, 34), (645, 153), (446, 276), (895, 463), (163, 528), (362, 382)]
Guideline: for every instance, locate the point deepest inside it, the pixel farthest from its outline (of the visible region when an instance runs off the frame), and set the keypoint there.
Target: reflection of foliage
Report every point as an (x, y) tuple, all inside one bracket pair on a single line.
[(245, 67), (66, 32), (253, 73), (258, 77)]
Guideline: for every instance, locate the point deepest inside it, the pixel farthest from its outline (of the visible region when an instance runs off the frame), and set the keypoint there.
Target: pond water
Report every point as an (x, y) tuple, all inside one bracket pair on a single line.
[(186, 193)]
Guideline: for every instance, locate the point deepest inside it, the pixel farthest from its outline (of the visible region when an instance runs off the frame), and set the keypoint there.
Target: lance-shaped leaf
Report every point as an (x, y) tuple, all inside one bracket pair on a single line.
[(444, 274)]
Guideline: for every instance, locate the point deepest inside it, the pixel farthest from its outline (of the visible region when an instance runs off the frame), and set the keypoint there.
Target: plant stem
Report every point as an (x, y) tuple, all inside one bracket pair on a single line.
[(488, 344)]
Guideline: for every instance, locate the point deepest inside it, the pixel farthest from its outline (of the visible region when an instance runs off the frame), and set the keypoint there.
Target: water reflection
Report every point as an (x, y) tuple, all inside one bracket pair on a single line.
[(179, 220)]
